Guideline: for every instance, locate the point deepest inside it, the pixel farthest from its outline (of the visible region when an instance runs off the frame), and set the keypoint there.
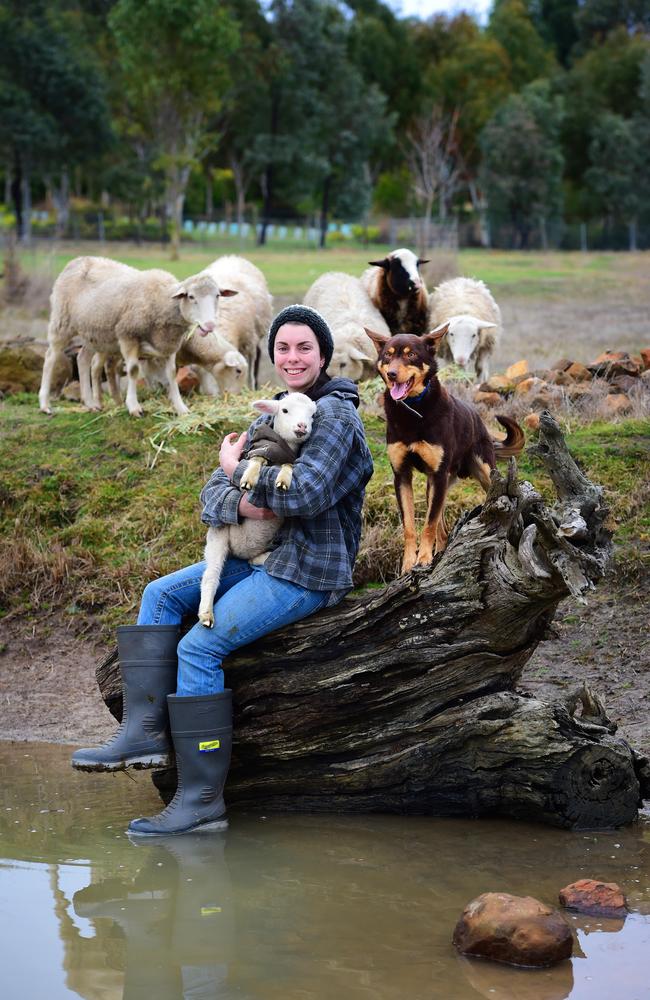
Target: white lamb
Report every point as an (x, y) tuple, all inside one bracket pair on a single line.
[(292, 422), (343, 301), (245, 320), (115, 309), (473, 320)]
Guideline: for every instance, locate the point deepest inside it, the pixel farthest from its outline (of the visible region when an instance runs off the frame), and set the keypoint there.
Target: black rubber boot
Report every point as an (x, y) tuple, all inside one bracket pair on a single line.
[(148, 665), (201, 729)]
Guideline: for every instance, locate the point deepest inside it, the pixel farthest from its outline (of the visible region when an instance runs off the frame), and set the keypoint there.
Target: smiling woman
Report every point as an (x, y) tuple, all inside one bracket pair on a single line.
[(174, 691)]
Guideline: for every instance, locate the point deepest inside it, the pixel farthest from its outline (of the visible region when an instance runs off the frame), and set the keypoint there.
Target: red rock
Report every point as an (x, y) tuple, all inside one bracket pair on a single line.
[(515, 371), (578, 390), (498, 383), (187, 379), (587, 895), (623, 383), (517, 930), (72, 392), (578, 372), (487, 398), (607, 357), (560, 378), (531, 421), (561, 365), (528, 385), (645, 357), (617, 405)]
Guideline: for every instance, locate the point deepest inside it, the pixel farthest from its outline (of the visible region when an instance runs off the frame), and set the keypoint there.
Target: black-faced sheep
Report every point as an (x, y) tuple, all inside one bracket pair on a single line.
[(115, 309), (292, 422), (343, 301), (473, 320), (396, 288)]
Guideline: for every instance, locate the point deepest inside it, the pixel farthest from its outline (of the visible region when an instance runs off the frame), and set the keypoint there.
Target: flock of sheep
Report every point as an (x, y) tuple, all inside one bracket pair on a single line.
[(216, 321)]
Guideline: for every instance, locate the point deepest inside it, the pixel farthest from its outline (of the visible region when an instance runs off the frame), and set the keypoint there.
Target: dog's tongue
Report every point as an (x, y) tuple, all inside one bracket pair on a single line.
[(399, 389)]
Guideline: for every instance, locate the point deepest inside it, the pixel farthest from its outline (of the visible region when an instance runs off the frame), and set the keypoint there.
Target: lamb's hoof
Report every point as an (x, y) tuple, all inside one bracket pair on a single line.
[(207, 618), (247, 484), (281, 485), (137, 413)]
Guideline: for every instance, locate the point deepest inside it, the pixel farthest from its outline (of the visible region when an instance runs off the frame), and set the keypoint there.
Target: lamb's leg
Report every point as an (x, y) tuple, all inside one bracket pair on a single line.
[(84, 358), (216, 550), (249, 479), (172, 386), (112, 365), (97, 364), (130, 354), (285, 475), (54, 351), (482, 366)]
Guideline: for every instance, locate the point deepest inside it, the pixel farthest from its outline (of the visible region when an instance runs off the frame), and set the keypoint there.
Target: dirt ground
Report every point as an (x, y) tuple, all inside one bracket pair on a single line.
[(48, 690)]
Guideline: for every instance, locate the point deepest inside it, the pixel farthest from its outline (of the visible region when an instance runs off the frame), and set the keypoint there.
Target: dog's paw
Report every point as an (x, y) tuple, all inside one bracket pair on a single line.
[(206, 618)]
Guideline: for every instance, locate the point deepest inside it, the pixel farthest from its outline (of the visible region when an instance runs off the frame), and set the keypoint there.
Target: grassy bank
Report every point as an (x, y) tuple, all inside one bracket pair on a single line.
[(94, 506)]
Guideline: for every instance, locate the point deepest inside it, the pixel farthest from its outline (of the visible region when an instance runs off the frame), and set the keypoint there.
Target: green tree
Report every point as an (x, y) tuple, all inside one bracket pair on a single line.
[(512, 26), (522, 163), (53, 112), (595, 19), (618, 171), (174, 56)]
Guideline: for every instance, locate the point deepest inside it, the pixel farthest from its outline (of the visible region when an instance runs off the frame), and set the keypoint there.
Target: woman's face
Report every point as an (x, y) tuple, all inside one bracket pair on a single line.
[(296, 356)]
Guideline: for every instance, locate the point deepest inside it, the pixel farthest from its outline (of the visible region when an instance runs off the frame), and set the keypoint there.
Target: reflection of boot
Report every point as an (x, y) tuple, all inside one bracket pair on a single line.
[(142, 909), (201, 729), (148, 664), (202, 934)]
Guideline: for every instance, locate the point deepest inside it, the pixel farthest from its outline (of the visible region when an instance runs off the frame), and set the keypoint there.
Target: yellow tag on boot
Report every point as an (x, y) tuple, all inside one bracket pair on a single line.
[(209, 745)]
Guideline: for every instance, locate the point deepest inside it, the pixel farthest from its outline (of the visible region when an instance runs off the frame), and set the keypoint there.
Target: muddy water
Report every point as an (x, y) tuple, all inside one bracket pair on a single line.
[(284, 907)]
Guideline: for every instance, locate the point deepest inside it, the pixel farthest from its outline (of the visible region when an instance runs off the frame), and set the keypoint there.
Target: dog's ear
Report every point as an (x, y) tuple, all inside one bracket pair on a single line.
[(385, 263), (379, 339), (433, 338)]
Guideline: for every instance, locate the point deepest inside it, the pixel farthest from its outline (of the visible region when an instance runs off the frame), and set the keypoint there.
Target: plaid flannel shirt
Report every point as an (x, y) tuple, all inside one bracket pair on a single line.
[(318, 541)]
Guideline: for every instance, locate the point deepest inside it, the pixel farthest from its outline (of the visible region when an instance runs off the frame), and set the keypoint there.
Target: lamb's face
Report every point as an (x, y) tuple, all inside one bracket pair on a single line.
[(463, 338), (198, 300), (231, 372), (349, 361), (294, 418)]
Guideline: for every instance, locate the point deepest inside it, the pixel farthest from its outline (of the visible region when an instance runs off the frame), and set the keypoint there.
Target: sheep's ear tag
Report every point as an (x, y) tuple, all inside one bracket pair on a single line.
[(385, 263), (379, 339), (227, 292)]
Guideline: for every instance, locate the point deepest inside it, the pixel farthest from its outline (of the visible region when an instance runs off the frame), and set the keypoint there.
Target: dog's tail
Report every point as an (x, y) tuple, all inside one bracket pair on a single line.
[(514, 440)]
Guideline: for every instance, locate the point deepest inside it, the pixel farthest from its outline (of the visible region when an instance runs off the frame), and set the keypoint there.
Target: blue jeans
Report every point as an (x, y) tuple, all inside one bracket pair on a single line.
[(249, 603)]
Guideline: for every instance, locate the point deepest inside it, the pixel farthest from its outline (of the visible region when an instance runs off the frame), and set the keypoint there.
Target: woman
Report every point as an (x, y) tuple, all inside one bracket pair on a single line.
[(309, 568)]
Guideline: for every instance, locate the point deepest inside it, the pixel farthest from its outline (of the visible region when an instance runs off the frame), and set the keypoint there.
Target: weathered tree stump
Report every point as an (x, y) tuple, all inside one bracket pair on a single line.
[(404, 700)]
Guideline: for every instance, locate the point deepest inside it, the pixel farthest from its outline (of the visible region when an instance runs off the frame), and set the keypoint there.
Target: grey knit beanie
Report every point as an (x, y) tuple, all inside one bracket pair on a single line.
[(312, 319)]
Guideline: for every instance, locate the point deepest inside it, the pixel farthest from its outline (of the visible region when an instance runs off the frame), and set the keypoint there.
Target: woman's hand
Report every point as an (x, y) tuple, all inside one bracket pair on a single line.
[(246, 509), (230, 452)]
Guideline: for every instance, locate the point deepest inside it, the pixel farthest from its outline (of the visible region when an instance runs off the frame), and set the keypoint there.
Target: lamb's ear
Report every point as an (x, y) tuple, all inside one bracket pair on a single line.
[(379, 339), (179, 292), (358, 355), (433, 338), (267, 405), (385, 263), (232, 359), (486, 326), (227, 292)]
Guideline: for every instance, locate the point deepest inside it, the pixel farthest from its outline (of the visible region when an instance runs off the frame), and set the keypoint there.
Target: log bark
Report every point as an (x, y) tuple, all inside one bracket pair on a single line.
[(405, 699)]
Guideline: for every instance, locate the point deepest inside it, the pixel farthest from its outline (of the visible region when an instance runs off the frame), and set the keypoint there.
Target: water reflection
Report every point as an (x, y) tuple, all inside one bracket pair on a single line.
[(313, 907), (175, 917)]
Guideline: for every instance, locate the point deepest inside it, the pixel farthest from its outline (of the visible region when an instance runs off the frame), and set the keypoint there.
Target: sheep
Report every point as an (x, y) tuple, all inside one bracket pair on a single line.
[(343, 301), (115, 309), (292, 422), (473, 320), (396, 288), (244, 321), (219, 366)]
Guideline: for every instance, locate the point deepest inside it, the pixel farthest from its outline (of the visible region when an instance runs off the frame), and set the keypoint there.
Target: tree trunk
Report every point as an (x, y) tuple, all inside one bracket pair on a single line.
[(324, 210), (404, 699)]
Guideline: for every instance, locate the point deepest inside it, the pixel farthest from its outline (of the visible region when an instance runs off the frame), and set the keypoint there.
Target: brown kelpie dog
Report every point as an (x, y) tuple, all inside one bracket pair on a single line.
[(429, 430)]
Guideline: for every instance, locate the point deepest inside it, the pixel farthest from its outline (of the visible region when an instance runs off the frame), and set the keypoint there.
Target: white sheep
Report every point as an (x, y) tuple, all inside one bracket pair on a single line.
[(115, 309), (243, 321), (396, 288), (292, 421), (473, 320), (343, 301)]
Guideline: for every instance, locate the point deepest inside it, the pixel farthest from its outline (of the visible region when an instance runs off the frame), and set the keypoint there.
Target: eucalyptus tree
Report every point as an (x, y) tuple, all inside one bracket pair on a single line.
[(522, 160), (174, 58)]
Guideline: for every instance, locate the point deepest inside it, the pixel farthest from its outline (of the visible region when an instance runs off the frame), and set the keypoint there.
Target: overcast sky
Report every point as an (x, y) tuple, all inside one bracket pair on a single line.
[(424, 8)]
